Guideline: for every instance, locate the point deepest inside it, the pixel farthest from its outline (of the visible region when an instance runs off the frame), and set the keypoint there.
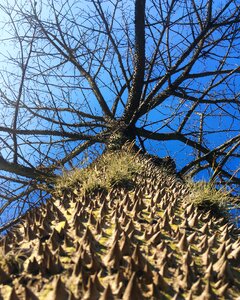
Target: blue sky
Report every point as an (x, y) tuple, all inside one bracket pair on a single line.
[(78, 91)]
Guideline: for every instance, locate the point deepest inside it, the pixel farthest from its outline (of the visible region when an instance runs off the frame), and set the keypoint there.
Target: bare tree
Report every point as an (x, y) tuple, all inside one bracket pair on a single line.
[(92, 72)]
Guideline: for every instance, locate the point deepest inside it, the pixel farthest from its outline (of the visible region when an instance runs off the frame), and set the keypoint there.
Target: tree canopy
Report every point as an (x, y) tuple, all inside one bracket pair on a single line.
[(79, 74)]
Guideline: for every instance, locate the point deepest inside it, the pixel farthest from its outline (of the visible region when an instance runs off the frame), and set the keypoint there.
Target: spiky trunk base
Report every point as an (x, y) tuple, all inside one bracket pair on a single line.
[(147, 243)]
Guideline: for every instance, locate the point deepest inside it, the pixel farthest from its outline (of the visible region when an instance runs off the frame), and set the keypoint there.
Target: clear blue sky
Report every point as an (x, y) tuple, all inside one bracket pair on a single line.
[(179, 151)]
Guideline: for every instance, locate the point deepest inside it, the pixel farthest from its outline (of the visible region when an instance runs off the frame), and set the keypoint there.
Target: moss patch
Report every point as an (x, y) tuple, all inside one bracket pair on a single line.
[(113, 169), (205, 196)]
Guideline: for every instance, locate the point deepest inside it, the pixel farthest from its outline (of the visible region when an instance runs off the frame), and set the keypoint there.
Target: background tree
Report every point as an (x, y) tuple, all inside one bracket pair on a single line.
[(80, 74)]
